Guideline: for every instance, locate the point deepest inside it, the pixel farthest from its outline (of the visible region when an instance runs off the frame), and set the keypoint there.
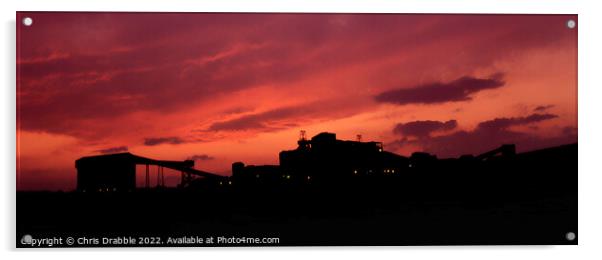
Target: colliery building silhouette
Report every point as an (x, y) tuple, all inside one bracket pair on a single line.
[(328, 159), (325, 160), (117, 172)]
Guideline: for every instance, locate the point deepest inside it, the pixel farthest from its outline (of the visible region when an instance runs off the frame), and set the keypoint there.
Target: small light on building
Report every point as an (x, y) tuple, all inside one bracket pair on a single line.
[(257, 176), (380, 149), (229, 182), (392, 171), (288, 177), (220, 183), (308, 178)]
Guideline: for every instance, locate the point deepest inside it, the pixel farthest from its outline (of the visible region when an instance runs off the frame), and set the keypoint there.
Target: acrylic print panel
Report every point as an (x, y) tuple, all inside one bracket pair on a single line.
[(265, 129)]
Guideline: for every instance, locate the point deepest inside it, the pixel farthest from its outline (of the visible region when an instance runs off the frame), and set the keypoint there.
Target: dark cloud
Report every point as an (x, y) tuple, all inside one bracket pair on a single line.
[(423, 128), (200, 157), (487, 136), (237, 110), (542, 108), (503, 123), (286, 117), (458, 90), (256, 121), (569, 130), (152, 141), (118, 149)]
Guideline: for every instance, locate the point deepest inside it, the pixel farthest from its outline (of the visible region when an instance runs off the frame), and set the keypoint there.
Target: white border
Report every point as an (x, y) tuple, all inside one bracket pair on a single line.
[(590, 182)]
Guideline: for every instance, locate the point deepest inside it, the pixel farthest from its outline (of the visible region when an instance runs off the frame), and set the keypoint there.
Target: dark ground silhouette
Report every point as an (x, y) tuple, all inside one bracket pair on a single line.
[(332, 192)]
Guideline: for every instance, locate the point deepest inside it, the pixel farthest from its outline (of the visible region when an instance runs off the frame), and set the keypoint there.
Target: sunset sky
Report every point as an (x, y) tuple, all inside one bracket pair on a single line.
[(220, 88)]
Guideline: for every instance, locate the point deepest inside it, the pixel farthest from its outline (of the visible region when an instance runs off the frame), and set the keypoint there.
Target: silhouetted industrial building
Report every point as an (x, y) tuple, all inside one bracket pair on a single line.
[(326, 158), (323, 159), (256, 174), (117, 172)]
